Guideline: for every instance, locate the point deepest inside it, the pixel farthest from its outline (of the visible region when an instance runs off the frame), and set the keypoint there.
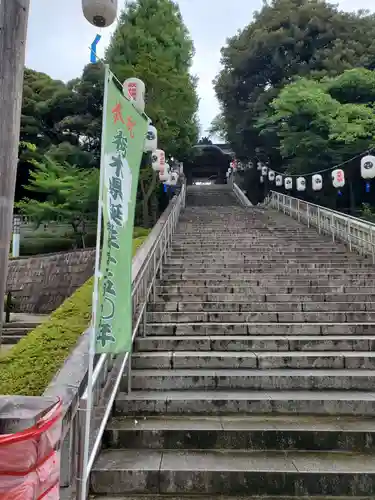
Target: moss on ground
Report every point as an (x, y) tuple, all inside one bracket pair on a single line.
[(31, 364)]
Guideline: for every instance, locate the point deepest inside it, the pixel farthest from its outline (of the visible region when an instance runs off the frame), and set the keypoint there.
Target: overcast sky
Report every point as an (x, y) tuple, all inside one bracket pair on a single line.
[(59, 37)]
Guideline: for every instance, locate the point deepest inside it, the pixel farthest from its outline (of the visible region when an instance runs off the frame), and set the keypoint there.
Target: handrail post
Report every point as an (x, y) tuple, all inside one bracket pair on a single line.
[(333, 227), (308, 214), (319, 221), (349, 236), (81, 474), (298, 210)]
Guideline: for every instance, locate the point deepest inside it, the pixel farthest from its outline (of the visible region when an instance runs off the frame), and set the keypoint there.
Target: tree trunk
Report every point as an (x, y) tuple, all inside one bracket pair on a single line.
[(13, 28), (154, 208), (145, 200), (145, 213)]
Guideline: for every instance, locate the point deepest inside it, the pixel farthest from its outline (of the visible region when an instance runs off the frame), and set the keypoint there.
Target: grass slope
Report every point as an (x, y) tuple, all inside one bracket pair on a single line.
[(30, 365)]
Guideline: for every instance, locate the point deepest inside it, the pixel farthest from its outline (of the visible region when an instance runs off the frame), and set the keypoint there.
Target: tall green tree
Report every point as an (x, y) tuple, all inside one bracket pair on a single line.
[(152, 43), (70, 194), (287, 38), (37, 121), (316, 130)]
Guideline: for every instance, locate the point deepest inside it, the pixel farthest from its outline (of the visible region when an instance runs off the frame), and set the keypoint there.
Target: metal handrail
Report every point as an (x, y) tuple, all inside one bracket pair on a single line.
[(109, 368), (358, 234), (339, 214)]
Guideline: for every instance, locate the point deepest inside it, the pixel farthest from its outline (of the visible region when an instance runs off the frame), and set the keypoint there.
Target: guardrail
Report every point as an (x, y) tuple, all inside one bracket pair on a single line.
[(243, 199), (70, 383), (110, 368), (357, 233)]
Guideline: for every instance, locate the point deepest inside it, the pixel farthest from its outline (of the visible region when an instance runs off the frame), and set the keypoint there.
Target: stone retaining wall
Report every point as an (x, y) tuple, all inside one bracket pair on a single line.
[(47, 280)]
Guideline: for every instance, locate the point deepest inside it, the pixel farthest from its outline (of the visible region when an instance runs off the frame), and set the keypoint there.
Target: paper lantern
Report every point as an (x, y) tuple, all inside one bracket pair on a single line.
[(261, 179), (338, 178), (288, 183), (135, 90), (259, 166), (100, 13), (173, 178), (368, 167), (264, 170), (271, 175), (317, 182), (301, 184), (279, 180), (158, 160), (164, 173), (151, 141)]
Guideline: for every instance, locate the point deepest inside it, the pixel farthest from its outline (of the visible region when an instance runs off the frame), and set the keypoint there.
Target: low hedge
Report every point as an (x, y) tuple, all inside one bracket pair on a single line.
[(31, 364)]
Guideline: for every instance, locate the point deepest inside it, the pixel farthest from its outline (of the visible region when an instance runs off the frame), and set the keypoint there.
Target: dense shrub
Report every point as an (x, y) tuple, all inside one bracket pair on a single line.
[(30, 365)]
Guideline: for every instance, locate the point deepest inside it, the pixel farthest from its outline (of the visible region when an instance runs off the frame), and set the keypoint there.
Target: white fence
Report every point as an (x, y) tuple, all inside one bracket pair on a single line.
[(357, 233)]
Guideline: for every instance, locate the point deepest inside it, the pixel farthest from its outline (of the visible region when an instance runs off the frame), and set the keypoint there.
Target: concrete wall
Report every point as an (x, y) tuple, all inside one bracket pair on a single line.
[(47, 280)]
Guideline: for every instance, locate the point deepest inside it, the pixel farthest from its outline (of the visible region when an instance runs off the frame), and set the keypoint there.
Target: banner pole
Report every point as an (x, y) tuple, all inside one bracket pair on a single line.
[(95, 299)]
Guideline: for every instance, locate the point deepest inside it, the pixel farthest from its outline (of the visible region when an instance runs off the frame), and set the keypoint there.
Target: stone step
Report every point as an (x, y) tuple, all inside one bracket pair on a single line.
[(220, 287), (20, 325), (320, 433), (245, 343), (181, 329), (16, 331), (270, 269), (240, 298), (214, 242), (243, 274), (252, 379), (295, 271), (227, 232), (229, 402), (240, 275), (263, 317), (192, 265), (219, 266), (12, 339), (255, 250), (244, 279), (258, 254), (183, 306), (233, 472), (259, 360), (246, 256), (259, 243), (155, 496)]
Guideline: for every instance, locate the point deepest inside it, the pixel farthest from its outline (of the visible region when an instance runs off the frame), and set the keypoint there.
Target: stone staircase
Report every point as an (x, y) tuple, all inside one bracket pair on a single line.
[(256, 374)]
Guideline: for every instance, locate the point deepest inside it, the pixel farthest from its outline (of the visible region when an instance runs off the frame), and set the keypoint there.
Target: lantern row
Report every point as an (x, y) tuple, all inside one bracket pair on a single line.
[(337, 176), (134, 89)]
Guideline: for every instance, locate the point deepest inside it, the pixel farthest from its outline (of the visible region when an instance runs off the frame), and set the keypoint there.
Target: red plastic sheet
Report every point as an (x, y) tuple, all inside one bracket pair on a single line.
[(30, 460)]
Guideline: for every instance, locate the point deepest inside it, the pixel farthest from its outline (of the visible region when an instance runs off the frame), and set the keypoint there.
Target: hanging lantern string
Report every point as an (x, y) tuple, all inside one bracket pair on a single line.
[(367, 151)]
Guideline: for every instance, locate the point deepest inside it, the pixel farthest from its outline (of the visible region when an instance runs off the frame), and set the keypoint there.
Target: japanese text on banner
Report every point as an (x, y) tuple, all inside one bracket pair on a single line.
[(124, 131)]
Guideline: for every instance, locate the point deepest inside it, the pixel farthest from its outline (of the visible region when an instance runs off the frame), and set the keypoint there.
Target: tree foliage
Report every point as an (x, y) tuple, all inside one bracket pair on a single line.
[(152, 43), (315, 129), (69, 193), (218, 127), (286, 39), (64, 121)]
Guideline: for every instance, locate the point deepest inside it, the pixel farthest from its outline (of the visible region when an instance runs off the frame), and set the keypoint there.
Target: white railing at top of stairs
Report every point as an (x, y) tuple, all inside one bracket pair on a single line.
[(357, 233)]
